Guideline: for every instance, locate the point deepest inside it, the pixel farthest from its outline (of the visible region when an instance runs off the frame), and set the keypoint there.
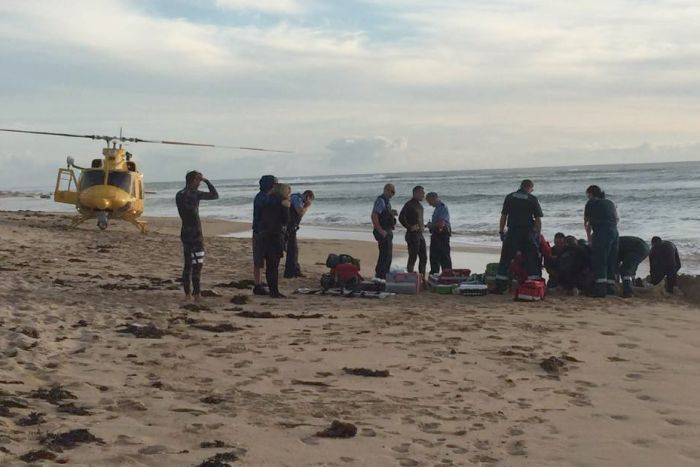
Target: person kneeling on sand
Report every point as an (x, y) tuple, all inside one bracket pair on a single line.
[(574, 266), (551, 263), (665, 262), (631, 252), (187, 201), (274, 219)]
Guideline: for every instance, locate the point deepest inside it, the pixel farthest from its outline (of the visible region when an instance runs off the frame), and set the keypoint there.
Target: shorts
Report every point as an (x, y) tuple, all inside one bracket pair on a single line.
[(258, 251)]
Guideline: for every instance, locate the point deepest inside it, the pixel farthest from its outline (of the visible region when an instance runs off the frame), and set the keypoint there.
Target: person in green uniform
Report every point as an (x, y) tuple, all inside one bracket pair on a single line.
[(631, 252), (523, 215), (600, 221)]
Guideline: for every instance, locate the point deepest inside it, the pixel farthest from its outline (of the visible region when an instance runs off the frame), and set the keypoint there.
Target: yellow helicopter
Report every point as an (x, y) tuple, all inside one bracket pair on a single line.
[(112, 187)]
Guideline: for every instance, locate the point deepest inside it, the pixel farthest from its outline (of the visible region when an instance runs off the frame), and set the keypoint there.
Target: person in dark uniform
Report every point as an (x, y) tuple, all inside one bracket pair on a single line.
[(384, 221), (411, 217), (187, 201), (440, 232), (301, 202), (523, 215), (600, 222), (665, 262), (266, 183), (274, 219), (631, 252)]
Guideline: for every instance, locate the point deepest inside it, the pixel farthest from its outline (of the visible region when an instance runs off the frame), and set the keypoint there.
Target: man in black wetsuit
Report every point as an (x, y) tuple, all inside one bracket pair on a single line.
[(187, 201), (411, 217)]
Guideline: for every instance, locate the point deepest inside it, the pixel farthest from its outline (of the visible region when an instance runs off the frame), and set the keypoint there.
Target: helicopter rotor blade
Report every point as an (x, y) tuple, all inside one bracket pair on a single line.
[(53, 134), (180, 143), (123, 139)]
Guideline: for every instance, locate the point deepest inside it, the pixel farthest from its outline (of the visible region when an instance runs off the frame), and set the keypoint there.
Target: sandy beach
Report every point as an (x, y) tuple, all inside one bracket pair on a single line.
[(95, 336)]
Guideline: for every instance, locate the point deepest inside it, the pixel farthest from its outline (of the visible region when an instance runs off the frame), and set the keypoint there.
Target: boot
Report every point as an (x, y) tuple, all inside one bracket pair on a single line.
[(626, 288)]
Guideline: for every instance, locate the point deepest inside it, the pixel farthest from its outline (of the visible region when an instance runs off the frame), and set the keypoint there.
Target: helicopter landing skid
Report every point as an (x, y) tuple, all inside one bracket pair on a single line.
[(141, 225), (77, 220)]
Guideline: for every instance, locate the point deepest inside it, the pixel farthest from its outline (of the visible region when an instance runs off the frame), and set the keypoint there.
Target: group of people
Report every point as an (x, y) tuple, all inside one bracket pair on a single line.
[(592, 265), (411, 218), (572, 264), (277, 214)]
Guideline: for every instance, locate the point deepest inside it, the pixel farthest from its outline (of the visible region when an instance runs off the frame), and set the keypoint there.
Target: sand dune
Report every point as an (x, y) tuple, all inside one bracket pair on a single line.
[(465, 383)]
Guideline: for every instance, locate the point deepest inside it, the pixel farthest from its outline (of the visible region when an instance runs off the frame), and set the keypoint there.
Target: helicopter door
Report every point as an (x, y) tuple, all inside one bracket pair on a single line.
[(66, 187)]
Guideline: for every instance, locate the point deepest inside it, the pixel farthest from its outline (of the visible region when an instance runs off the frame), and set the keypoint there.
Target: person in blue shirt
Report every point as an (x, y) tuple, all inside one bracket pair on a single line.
[(300, 203), (384, 220), (440, 232), (266, 183), (600, 221)]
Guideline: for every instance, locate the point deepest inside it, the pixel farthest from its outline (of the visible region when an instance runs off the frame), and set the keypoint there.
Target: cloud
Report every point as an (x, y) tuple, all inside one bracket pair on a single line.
[(470, 84), (280, 7), (364, 153)]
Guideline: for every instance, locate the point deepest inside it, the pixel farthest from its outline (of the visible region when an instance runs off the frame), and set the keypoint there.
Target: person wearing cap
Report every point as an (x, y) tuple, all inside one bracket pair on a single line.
[(440, 232), (266, 183), (384, 220), (631, 252), (411, 217), (187, 201), (300, 203), (522, 215), (600, 221), (664, 261)]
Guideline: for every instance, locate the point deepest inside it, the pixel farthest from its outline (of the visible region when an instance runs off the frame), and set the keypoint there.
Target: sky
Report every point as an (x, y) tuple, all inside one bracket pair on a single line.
[(352, 86)]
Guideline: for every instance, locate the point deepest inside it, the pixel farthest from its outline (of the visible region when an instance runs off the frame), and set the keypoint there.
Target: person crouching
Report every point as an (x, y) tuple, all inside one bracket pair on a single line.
[(274, 218)]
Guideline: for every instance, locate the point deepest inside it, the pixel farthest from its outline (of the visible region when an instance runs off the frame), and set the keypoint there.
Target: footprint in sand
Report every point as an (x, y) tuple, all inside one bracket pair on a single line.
[(403, 448), (634, 376), (517, 448), (619, 417), (626, 345), (676, 421), (407, 462)]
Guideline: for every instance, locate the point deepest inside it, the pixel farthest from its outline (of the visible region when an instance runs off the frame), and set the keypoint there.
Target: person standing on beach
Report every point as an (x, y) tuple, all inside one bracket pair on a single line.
[(411, 217), (600, 220), (301, 202), (187, 201), (266, 183), (274, 219), (440, 232), (523, 215), (384, 221), (631, 252), (664, 261)]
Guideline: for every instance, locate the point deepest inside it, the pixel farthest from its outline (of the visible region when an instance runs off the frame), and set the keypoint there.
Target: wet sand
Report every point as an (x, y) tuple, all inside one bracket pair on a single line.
[(103, 363)]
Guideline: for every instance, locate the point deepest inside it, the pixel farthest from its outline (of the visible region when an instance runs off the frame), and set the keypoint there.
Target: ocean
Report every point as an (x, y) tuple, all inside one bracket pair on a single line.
[(652, 199)]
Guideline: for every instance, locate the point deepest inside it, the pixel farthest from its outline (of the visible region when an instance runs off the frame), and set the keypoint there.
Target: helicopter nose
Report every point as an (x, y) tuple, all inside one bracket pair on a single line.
[(103, 197)]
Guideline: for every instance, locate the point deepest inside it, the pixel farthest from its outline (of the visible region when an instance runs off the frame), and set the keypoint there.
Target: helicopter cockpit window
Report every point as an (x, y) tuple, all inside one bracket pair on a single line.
[(121, 180), (92, 178)]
